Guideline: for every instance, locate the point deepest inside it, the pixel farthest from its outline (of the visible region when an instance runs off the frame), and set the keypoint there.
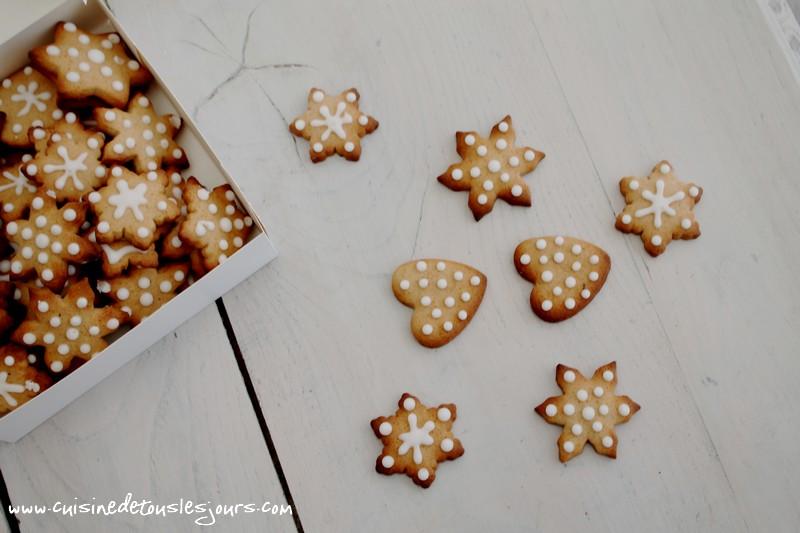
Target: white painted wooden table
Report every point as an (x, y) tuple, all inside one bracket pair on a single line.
[(706, 336)]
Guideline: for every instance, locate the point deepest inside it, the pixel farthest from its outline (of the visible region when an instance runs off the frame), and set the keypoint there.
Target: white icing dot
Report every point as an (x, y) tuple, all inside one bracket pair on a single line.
[(525, 259), (146, 299), (547, 305), (385, 429), (449, 301), (559, 240), (47, 274), (423, 474), (443, 414), (585, 294), (547, 276), (551, 409), (481, 150), (503, 126), (569, 376), (693, 191), (436, 313), (349, 147), (482, 199), (656, 240), (423, 283), (73, 76), (53, 50), (404, 284), (608, 441), (457, 174), (9, 360), (633, 185), (112, 323), (664, 168), (446, 445), (317, 96), (96, 56), (504, 177), (529, 155), (577, 429), (594, 276), (465, 296), (598, 391), (501, 144), (425, 300), (462, 315), (475, 172), (558, 257), (441, 283), (582, 395), (469, 140), (409, 404), (569, 303), (569, 409), (318, 147), (576, 266), (29, 338), (494, 165), (624, 409), (516, 190), (117, 85), (447, 326), (570, 282), (387, 461), (686, 223), (569, 447), (56, 366), (576, 249), (513, 161), (421, 266), (299, 124), (608, 375), (458, 275)]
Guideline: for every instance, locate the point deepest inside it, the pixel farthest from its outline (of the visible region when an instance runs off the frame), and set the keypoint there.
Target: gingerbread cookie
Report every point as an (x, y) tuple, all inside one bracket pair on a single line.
[(588, 409), (132, 206), (416, 439), (118, 256), (141, 135), (215, 224), (84, 66), (444, 295), (67, 327), (48, 241), (491, 168), (67, 160), (144, 290), (333, 124), (567, 273), (660, 208), (28, 99), (19, 381), (16, 190)]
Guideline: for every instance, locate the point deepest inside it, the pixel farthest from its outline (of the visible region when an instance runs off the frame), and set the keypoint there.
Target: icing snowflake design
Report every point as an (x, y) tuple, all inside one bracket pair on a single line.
[(27, 94), (588, 410), (68, 167), (18, 182), (128, 198), (491, 168), (347, 124), (659, 207), (19, 380), (429, 444), (333, 123), (6, 388)]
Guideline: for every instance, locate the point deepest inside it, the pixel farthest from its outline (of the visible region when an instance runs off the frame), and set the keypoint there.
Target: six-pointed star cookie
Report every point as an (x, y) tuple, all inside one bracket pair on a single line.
[(83, 65), (144, 290), (67, 327), (333, 124), (491, 168), (416, 439), (19, 380), (141, 135), (588, 409), (48, 241), (28, 99), (660, 208)]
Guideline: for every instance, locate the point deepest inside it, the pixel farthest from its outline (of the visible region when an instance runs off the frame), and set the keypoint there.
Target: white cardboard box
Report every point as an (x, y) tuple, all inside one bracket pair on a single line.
[(257, 252)]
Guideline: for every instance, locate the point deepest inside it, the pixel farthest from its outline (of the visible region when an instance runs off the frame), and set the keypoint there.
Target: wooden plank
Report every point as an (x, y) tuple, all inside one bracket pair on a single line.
[(174, 423), (327, 344)]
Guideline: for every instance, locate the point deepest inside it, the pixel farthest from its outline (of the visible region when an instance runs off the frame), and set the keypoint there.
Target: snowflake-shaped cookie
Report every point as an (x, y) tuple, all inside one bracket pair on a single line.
[(68, 163), (48, 241), (132, 206), (141, 135), (660, 208), (28, 99), (416, 439), (67, 327), (333, 124), (19, 381), (588, 410), (144, 290), (215, 223), (491, 168), (84, 65), (16, 190)]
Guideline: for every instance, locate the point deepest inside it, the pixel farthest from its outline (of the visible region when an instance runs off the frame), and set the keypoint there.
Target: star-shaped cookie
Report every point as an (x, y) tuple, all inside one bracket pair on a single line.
[(416, 439), (19, 381), (67, 327), (84, 65), (141, 135), (143, 291), (28, 99), (659, 207), (491, 168), (588, 410), (333, 124), (16, 190)]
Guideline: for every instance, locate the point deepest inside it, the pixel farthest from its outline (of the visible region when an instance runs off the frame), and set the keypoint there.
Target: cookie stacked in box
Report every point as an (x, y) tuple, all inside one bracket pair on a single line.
[(100, 228)]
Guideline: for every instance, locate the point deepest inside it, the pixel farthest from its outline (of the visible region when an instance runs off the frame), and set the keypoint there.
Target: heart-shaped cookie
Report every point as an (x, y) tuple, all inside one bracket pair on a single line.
[(444, 295), (567, 273)]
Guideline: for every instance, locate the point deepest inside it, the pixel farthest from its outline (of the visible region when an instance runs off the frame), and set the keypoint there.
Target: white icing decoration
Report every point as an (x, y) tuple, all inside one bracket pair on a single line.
[(27, 94), (659, 203), (416, 437), (7, 388), (128, 198), (19, 183), (69, 167), (333, 123)]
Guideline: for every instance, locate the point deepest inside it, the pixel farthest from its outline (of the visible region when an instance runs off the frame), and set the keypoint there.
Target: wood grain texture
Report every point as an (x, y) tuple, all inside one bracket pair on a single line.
[(702, 334)]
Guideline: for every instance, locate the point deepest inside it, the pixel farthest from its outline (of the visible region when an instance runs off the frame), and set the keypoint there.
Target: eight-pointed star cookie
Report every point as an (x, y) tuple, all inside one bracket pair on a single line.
[(67, 327), (143, 291), (19, 381), (491, 168), (588, 409), (659, 207), (333, 124), (67, 160), (16, 191), (141, 135), (28, 99), (84, 65), (567, 273), (416, 439), (215, 224), (444, 295), (132, 206), (48, 241)]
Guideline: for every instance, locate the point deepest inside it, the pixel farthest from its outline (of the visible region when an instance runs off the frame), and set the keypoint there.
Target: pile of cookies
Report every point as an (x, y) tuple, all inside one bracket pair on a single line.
[(567, 273), (100, 228)]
